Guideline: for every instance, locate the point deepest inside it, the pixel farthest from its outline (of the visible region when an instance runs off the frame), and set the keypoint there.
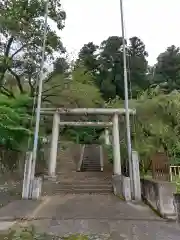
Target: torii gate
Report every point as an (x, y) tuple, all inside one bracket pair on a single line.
[(57, 112)]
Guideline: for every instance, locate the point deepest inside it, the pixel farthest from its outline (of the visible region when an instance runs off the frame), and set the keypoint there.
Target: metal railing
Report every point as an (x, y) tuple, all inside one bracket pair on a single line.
[(174, 172)]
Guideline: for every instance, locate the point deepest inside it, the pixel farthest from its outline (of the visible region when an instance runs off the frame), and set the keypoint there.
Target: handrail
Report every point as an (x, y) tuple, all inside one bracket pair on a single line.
[(81, 158), (101, 158)]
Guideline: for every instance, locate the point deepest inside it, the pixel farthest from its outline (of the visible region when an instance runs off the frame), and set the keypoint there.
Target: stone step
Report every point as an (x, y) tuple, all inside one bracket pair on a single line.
[(83, 176), (91, 170), (94, 164), (88, 160), (81, 186), (77, 183), (91, 165), (78, 191), (96, 167), (77, 187)]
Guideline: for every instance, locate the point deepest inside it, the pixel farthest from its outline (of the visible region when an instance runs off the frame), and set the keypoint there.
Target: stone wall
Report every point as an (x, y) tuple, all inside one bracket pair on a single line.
[(160, 196)]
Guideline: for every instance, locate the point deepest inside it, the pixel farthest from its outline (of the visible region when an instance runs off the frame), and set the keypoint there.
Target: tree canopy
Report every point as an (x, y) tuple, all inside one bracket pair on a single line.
[(21, 36), (105, 62), (94, 79)]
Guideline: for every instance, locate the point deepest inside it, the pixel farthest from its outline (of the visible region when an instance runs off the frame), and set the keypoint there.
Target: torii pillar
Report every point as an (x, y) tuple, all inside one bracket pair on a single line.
[(54, 146), (116, 145)]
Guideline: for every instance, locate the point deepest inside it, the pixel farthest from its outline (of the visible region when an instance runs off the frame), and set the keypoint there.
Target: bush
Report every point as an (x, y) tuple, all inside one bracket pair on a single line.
[(155, 127)]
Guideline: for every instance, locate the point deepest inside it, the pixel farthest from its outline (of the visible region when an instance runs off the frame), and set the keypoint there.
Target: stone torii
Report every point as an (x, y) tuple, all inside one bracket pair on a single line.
[(57, 112)]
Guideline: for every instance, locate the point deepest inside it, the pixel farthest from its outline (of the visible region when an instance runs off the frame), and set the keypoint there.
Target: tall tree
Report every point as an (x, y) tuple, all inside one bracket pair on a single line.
[(21, 36), (110, 79), (61, 66), (106, 63), (88, 56), (167, 69), (137, 65)]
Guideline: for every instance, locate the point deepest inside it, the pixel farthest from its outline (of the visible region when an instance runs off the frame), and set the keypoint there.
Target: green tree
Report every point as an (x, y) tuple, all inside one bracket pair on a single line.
[(110, 79), (75, 90), (167, 69), (106, 64), (88, 57), (61, 66), (15, 128), (21, 35), (137, 66), (155, 127)]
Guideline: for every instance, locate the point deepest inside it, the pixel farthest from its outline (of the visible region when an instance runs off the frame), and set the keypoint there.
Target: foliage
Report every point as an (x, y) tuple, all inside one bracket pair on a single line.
[(14, 121), (21, 35), (167, 69), (61, 65), (84, 135), (14, 129), (77, 94), (26, 234), (75, 90), (97, 76), (21, 39), (105, 62), (157, 125), (81, 92)]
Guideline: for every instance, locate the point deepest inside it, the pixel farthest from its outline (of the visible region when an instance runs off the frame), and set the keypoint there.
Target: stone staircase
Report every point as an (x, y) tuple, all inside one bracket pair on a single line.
[(91, 180), (80, 183), (91, 159)]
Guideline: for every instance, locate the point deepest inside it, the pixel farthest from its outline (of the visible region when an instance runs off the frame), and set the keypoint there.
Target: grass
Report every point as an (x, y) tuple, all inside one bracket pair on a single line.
[(29, 233), (76, 237)]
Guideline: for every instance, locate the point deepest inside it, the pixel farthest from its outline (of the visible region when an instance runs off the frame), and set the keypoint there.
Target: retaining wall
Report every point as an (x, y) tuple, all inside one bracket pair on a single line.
[(160, 196)]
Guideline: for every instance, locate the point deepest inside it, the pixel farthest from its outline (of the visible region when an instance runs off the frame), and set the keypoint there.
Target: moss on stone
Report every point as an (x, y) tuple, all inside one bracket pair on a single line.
[(76, 237)]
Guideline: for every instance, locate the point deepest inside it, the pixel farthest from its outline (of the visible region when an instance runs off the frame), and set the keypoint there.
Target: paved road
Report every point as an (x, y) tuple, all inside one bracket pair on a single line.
[(104, 217)]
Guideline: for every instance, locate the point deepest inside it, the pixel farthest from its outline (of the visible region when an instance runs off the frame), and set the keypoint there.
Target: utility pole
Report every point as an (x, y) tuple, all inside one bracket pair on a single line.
[(40, 84), (128, 130)]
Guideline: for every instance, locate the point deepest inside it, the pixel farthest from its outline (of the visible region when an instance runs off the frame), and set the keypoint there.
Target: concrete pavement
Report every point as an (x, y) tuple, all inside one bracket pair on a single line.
[(19, 210), (102, 217)]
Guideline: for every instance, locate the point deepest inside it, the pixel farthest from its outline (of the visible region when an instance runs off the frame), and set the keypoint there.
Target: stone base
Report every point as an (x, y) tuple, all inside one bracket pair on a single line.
[(50, 178), (177, 206), (36, 188), (121, 187)]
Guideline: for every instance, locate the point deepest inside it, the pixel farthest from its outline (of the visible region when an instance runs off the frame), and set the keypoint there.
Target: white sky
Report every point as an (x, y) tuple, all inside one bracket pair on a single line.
[(156, 22)]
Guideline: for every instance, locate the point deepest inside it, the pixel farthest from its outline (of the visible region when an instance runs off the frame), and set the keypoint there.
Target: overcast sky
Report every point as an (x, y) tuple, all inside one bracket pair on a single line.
[(156, 22)]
